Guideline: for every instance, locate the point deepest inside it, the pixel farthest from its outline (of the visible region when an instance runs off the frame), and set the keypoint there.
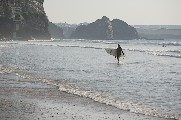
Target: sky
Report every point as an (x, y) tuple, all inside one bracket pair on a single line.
[(134, 12)]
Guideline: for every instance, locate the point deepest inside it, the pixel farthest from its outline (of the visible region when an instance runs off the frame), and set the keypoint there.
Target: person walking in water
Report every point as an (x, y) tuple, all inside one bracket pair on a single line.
[(119, 51)]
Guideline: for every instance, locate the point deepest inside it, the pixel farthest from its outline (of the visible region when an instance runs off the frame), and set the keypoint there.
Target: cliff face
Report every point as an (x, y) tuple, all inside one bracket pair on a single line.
[(123, 31), (67, 28), (105, 29), (6, 29), (100, 29), (55, 31), (23, 19)]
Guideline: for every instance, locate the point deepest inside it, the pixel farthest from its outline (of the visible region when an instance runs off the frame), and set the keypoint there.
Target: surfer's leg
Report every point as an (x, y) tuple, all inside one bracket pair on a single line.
[(118, 59)]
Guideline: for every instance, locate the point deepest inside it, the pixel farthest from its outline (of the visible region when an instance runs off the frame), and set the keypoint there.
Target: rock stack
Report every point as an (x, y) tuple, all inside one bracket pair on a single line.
[(104, 29)]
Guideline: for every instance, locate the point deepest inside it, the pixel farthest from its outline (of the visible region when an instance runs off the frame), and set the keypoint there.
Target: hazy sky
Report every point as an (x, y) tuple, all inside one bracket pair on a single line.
[(134, 12)]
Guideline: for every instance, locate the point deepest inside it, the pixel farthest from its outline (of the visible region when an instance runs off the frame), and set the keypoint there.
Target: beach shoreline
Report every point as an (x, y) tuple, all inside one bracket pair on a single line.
[(34, 100)]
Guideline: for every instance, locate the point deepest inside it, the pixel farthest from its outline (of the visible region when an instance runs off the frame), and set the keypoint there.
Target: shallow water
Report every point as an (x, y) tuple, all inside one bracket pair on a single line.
[(147, 81)]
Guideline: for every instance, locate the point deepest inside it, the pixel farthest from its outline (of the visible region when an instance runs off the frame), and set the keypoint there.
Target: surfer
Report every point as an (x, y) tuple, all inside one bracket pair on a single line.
[(119, 50), (117, 53)]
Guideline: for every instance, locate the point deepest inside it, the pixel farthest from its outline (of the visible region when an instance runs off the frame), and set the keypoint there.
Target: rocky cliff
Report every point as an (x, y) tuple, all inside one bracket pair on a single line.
[(23, 19), (105, 29), (67, 28), (55, 31), (123, 31)]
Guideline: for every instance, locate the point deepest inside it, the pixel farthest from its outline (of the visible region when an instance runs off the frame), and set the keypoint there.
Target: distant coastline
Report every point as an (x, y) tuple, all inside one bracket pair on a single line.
[(159, 32), (105, 29), (148, 32)]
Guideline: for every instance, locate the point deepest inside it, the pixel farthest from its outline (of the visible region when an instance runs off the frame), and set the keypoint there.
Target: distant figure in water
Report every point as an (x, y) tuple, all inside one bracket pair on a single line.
[(119, 50)]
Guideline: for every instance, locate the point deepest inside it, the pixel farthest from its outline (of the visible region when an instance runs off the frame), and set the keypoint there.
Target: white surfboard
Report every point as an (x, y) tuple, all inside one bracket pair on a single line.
[(113, 52)]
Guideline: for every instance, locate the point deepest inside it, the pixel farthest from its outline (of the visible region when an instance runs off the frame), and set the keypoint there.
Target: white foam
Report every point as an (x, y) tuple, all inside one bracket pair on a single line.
[(167, 55), (6, 69), (97, 96), (173, 43), (109, 100), (176, 53), (41, 40)]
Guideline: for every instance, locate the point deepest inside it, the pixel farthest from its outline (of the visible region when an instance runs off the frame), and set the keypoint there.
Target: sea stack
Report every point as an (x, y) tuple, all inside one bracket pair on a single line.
[(104, 29)]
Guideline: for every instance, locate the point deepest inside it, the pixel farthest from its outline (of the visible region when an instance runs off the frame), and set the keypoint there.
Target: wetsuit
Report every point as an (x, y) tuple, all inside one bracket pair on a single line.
[(119, 50)]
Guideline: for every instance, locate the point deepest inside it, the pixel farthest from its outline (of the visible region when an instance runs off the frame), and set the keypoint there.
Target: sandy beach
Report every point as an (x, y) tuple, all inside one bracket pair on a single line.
[(33, 100)]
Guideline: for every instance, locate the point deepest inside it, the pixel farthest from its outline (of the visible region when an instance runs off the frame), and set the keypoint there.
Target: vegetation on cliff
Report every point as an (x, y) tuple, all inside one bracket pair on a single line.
[(25, 17)]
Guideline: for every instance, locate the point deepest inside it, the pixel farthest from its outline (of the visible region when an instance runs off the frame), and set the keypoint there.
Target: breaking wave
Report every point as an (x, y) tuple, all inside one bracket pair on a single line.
[(171, 43), (6, 69), (100, 97), (167, 53)]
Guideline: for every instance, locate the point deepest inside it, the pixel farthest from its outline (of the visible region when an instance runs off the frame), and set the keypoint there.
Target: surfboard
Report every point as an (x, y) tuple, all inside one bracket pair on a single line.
[(113, 52)]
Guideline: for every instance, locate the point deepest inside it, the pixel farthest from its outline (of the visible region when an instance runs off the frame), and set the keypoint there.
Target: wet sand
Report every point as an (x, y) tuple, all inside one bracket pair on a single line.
[(21, 99)]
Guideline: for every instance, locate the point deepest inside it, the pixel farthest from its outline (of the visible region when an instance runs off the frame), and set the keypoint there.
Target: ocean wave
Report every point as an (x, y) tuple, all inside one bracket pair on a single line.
[(58, 45), (11, 42), (97, 96), (77, 46), (110, 42), (138, 50), (109, 100), (40, 40), (2, 46), (6, 69), (171, 43), (167, 55), (153, 50), (7, 44), (176, 53)]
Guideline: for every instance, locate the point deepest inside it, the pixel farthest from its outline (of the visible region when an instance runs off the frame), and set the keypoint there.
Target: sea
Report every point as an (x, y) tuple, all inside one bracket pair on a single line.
[(146, 81)]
